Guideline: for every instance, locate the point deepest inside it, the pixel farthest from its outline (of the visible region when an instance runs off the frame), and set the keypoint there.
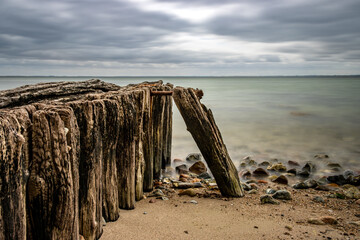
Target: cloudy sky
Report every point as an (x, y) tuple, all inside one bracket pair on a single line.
[(179, 37)]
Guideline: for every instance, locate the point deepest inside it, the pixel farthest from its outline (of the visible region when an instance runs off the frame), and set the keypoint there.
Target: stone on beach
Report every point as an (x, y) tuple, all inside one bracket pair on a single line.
[(192, 157), (281, 179), (268, 199), (198, 168), (188, 192), (260, 172), (182, 169), (282, 195), (279, 167)]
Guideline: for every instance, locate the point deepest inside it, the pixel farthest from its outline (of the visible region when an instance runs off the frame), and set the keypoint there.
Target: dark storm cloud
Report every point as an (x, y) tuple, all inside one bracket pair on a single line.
[(127, 32), (101, 30)]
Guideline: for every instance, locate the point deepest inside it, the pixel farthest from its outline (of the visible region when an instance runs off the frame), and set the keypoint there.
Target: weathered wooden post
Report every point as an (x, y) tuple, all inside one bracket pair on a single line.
[(201, 124)]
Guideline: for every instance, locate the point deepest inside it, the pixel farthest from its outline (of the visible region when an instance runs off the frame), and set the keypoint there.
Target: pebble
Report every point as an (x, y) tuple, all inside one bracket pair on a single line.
[(311, 183), (264, 164), (309, 167), (193, 157), (253, 191), (292, 171), (315, 221), (293, 163), (260, 172), (329, 220), (193, 202), (279, 167), (300, 185), (270, 191), (204, 175), (351, 192), (282, 194), (318, 199), (303, 173), (254, 186), (288, 227), (188, 192), (152, 200), (268, 199), (245, 186), (321, 156), (198, 168), (281, 179), (157, 193), (182, 169)]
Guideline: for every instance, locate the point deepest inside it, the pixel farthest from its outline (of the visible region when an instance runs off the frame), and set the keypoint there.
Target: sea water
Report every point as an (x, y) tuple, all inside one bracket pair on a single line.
[(288, 118)]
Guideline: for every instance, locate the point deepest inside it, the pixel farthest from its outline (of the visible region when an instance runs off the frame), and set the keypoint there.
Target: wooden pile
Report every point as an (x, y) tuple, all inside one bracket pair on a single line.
[(72, 153)]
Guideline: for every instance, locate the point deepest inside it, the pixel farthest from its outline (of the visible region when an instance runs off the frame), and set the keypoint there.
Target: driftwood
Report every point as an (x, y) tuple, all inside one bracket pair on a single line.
[(72, 153), (201, 124)]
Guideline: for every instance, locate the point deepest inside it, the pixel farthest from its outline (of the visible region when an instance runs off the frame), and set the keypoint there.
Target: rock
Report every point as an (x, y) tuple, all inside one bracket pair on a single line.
[(303, 173), (192, 157), (300, 185), (293, 163), (247, 158), (182, 169), (164, 198), (310, 167), (254, 186), (178, 160), (352, 192), (322, 188), (157, 193), (321, 156), (315, 221), (264, 164), (272, 177), (198, 168), (282, 195), (358, 202), (188, 192), (281, 179), (184, 176), (252, 163), (338, 179), (196, 180), (242, 165), (204, 175), (268, 199), (262, 182), (334, 165), (270, 191), (311, 183), (188, 185), (193, 202), (152, 200), (260, 172), (329, 220), (253, 191), (245, 174), (292, 171), (279, 167), (348, 173), (246, 186), (288, 227), (318, 199)]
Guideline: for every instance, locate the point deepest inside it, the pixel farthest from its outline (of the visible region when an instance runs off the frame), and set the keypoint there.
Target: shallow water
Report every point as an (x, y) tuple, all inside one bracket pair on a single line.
[(266, 117)]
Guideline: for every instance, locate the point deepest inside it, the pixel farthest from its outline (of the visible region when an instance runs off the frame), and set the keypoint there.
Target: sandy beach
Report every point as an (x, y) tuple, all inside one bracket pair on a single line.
[(240, 218)]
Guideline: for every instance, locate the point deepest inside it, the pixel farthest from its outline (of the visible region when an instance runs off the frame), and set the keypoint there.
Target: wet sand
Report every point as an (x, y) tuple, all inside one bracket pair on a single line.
[(241, 218)]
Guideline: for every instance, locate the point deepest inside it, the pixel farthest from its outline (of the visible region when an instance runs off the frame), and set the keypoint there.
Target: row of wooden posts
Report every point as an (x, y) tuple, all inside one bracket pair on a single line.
[(73, 153)]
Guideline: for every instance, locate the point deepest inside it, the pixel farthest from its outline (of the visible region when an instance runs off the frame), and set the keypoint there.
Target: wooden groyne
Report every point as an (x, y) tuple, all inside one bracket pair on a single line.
[(72, 153)]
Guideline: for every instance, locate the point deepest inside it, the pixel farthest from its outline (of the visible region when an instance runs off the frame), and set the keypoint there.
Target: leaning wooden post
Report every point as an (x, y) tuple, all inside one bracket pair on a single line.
[(201, 124)]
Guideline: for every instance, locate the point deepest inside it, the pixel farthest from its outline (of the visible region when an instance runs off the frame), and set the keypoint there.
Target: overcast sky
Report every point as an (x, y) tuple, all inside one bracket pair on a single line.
[(179, 37)]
